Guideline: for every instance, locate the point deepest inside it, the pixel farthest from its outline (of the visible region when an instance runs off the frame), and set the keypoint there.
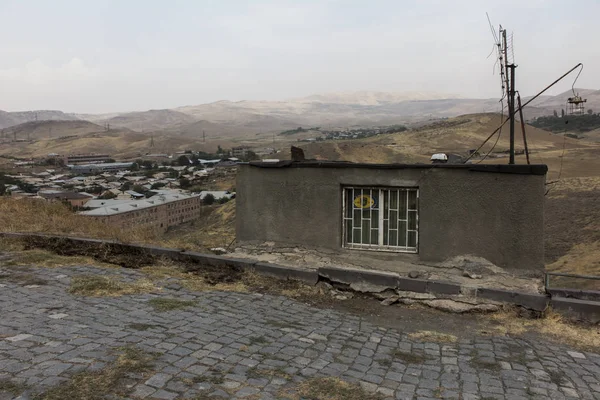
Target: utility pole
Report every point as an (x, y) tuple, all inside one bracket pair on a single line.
[(523, 128), (511, 100), (203, 137), (509, 70)]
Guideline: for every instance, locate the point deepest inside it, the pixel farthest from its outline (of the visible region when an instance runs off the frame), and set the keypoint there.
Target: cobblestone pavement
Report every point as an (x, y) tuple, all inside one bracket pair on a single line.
[(239, 345)]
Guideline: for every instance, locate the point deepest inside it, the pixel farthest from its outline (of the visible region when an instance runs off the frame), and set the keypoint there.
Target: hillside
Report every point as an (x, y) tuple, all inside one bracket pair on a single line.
[(329, 110), (460, 134), (8, 119), (35, 130), (559, 101), (151, 120)]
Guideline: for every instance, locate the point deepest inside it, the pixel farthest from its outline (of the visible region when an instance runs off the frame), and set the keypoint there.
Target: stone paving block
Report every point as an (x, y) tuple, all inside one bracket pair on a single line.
[(212, 342)]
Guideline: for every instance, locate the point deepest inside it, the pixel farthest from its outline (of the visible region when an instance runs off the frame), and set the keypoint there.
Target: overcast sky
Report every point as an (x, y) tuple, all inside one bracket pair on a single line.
[(104, 55)]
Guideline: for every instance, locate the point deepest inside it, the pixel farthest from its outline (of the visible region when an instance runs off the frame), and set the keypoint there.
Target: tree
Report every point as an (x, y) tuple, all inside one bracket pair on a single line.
[(184, 183), (555, 113), (96, 189), (27, 187), (208, 199), (107, 195), (135, 166), (157, 185), (562, 112), (139, 189), (220, 150), (110, 160), (147, 164), (251, 156), (590, 111), (183, 161), (2, 189), (126, 186)]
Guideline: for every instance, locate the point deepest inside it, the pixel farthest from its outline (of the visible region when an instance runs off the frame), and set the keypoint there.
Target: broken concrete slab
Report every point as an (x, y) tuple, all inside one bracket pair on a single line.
[(454, 306), (537, 302), (379, 281), (277, 271)]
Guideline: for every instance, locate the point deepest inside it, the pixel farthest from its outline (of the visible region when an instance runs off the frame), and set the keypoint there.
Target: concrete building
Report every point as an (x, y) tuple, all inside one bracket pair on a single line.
[(74, 198), (413, 213), (99, 168), (240, 151), (158, 212), (86, 158)]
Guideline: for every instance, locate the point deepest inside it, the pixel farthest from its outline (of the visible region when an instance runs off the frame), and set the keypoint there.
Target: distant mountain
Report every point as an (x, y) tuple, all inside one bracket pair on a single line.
[(150, 120), (363, 108), (18, 117), (35, 130), (559, 101), (371, 98)]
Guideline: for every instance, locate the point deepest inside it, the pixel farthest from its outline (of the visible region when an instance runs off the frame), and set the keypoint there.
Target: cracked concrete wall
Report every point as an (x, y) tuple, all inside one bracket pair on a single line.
[(497, 216)]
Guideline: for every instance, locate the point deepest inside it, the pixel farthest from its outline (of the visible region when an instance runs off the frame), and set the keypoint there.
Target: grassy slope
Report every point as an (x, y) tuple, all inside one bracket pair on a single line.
[(572, 218)]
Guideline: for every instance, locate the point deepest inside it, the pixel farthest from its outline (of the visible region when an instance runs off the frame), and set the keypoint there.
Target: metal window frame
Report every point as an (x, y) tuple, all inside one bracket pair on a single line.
[(380, 246)]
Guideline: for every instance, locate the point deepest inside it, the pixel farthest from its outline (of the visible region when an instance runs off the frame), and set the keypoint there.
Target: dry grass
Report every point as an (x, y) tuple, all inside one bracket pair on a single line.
[(329, 389), (104, 383), (31, 215), (267, 373), (47, 259), (481, 365), (409, 358), (432, 336), (215, 228), (98, 285), (204, 279), (553, 326), (8, 386), (166, 269), (162, 304)]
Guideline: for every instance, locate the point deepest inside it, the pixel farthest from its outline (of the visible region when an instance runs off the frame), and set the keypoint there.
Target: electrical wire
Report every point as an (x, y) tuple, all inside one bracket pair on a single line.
[(575, 81), (523, 106), (499, 57), (499, 134)]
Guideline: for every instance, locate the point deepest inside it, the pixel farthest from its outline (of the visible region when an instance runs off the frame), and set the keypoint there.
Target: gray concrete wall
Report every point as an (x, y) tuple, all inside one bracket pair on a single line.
[(498, 216)]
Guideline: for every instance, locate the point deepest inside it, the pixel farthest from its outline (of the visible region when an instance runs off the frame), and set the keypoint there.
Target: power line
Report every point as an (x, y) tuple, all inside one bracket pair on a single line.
[(524, 105)]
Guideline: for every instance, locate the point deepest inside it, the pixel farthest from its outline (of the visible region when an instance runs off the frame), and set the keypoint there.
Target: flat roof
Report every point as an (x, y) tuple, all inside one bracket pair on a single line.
[(136, 205), (524, 169)]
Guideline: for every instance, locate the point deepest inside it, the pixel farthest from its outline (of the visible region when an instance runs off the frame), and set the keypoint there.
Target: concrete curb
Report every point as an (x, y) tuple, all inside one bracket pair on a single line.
[(277, 271), (537, 302), (360, 280), (580, 309), (351, 276)]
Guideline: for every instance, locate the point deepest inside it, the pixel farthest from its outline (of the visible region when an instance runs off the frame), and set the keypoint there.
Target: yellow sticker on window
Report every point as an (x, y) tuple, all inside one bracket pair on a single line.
[(364, 201)]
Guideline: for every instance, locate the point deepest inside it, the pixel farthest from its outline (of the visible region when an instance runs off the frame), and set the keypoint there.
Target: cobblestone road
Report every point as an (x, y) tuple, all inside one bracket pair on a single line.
[(237, 345)]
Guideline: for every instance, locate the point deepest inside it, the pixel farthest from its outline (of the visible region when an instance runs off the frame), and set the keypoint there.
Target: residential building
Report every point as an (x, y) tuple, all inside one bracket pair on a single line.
[(86, 159), (240, 151), (407, 212), (158, 212), (99, 168), (76, 199)]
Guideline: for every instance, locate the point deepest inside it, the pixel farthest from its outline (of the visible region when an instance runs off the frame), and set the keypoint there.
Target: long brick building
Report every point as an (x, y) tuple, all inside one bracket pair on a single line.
[(159, 212)]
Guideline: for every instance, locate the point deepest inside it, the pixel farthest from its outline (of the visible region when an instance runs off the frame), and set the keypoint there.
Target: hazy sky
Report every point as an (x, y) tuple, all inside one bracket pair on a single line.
[(104, 55)]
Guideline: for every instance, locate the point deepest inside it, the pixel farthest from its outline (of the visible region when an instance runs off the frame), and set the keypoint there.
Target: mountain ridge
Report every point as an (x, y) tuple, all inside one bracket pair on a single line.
[(341, 109)]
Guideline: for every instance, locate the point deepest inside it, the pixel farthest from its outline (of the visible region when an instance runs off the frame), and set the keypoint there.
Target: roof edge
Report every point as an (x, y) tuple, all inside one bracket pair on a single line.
[(523, 169)]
